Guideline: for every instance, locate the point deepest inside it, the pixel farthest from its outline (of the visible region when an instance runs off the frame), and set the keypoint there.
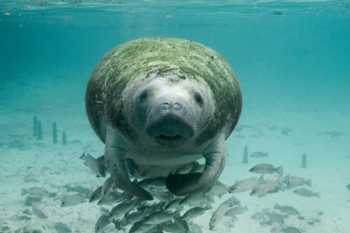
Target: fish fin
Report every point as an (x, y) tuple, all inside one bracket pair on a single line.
[(317, 195), (261, 179), (279, 170), (286, 180), (308, 182), (82, 156), (24, 191)]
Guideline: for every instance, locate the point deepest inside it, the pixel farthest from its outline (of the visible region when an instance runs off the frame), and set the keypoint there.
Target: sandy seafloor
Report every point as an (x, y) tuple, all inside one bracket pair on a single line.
[(320, 131)]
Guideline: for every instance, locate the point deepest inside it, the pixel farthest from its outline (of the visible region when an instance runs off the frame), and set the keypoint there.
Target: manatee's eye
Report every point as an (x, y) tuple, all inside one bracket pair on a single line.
[(199, 99), (143, 96)]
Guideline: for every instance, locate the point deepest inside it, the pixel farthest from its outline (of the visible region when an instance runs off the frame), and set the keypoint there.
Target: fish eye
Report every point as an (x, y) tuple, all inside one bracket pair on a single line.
[(199, 99)]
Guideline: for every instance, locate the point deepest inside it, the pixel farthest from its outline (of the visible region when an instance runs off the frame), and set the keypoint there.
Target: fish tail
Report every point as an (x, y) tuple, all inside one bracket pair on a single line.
[(82, 156), (308, 183), (24, 191), (279, 170), (261, 179), (277, 206)]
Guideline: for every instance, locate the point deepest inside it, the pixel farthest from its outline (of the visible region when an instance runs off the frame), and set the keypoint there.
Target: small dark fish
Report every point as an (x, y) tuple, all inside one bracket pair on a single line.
[(259, 154), (264, 168), (73, 200), (306, 193), (195, 228), (93, 164), (277, 13)]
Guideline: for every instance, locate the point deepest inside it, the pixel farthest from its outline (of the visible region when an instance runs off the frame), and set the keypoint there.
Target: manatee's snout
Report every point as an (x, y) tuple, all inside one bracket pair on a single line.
[(170, 120)]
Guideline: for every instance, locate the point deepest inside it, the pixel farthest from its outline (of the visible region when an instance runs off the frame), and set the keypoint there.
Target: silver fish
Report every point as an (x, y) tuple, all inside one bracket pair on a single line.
[(141, 227), (235, 211), (174, 204), (114, 197), (38, 211), (93, 164), (159, 217), (195, 200), (107, 187), (173, 228), (263, 189), (121, 209), (217, 190), (264, 168), (73, 200), (181, 223), (194, 212), (131, 218), (96, 194), (306, 193), (244, 185), (220, 212), (259, 154), (36, 191), (286, 209), (195, 228), (276, 218), (102, 222), (294, 181)]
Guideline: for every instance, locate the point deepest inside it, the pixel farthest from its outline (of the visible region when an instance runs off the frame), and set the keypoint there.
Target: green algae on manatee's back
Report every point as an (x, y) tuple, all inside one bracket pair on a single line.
[(159, 57)]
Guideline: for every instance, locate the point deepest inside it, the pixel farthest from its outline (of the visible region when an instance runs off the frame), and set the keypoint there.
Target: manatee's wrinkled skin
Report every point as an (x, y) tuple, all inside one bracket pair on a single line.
[(159, 104)]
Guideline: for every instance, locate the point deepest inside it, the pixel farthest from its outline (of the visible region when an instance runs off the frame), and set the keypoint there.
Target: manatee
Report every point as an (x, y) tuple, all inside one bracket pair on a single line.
[(161, 104)]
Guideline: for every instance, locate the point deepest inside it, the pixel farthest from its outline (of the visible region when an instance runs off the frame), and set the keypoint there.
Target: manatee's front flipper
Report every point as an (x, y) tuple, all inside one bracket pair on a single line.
[(115, 162), (188, 184)]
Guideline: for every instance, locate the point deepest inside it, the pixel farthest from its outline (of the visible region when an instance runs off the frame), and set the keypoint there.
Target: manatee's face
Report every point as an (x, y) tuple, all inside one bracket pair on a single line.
[(172, 110)]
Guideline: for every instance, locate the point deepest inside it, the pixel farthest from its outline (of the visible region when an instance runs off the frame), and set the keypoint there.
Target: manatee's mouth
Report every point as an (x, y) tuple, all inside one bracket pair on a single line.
[(170, 141)]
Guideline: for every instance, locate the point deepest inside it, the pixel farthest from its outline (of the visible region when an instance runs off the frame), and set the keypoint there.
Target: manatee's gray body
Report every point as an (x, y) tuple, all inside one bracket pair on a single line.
[(159, 104)]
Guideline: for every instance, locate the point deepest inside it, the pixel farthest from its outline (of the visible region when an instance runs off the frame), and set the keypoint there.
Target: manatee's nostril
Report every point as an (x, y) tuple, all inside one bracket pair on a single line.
[(165, 106), (176, 106)]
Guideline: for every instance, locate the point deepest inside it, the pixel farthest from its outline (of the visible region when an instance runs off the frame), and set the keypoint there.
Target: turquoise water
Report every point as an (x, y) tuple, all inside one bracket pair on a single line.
[(292, 60)]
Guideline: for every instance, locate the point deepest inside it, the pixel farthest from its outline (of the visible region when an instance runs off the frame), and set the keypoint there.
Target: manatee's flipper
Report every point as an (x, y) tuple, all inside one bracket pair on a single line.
[(115, 163), (192, 183)]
